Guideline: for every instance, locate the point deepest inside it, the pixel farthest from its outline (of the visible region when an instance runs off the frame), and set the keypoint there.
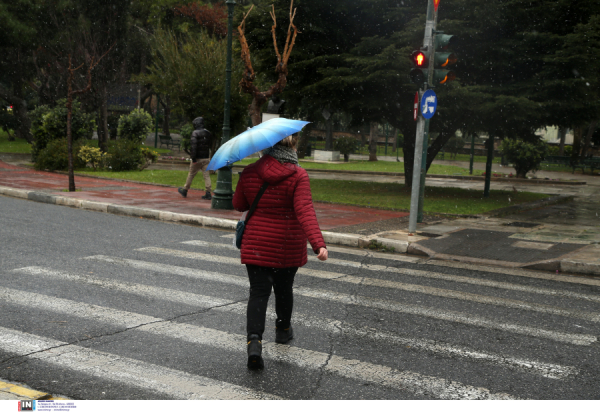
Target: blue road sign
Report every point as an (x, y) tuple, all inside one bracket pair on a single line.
[(428, 104)]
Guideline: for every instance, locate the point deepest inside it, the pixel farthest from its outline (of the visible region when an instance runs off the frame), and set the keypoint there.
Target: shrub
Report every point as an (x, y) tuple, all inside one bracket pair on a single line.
[(135, 125), (555, 150), (346, 145), (48, 124), (55, 156), (91, 155), (123, 155), (149, 156), (526, 156), (8, 122)]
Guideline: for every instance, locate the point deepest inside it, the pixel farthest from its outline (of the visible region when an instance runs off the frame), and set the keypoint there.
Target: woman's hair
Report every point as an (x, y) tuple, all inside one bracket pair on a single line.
[(290, 141)]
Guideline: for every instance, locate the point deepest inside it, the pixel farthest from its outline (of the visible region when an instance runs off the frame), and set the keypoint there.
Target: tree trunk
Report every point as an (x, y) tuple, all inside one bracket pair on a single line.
[(588, 139), (373, 135), (577, 136), (70, 139), (395, 138), (167, 115), (24, 126), (436, 146), (255, 108), (102, 144), (562, 133), (329, 133)]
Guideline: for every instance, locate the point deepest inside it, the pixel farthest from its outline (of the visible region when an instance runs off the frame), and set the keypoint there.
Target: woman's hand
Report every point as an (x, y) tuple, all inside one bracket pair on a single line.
[(323, 254)]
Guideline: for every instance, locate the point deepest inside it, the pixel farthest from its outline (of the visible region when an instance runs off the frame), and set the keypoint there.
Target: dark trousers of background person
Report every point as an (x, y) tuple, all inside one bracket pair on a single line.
[(262, 280)]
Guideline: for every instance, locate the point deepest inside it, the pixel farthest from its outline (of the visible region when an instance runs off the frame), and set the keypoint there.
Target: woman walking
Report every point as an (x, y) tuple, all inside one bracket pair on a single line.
[(274, 241)]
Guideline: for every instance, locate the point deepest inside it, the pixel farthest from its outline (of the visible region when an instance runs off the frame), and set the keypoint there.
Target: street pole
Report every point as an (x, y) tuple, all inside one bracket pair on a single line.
[(386, 137), (423, 172), (223, 195), (488, 167), (428, 41), (472, 153)]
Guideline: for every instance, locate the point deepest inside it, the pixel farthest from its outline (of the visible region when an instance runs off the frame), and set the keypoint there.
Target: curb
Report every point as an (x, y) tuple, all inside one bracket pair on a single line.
[(340, 239), (566, 265), (11, 391)]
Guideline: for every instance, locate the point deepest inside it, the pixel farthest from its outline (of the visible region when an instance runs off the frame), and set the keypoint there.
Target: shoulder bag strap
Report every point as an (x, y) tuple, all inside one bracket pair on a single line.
[(256, 199)]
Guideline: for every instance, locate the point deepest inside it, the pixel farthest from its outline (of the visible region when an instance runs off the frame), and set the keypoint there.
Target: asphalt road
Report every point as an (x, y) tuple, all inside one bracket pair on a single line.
[(97, 306)]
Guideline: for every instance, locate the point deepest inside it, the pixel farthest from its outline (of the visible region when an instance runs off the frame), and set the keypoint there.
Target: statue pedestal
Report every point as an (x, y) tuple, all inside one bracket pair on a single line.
[(327, 156)]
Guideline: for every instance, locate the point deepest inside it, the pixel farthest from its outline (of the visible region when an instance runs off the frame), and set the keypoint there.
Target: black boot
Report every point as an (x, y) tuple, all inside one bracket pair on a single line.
[(182, 191), (255, 360), (207, 196), (284, 335)]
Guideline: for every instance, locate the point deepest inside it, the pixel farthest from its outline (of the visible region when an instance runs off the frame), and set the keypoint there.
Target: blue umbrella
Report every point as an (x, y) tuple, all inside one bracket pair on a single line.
[(260, 137)]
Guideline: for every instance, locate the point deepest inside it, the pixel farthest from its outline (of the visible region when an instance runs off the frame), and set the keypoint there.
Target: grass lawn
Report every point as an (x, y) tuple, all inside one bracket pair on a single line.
[(18, 146), (391, 196), (380, 166)]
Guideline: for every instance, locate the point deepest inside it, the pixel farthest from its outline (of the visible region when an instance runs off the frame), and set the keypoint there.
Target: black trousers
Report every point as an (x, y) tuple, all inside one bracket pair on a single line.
[(262, 280)]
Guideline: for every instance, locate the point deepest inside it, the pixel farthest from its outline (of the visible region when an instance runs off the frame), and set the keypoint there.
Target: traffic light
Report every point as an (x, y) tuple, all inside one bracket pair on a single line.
[(443, 58), (420, 61)]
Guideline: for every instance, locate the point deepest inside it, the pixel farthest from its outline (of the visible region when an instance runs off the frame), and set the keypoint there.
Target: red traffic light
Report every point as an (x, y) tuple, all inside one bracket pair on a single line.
[(419, 59)]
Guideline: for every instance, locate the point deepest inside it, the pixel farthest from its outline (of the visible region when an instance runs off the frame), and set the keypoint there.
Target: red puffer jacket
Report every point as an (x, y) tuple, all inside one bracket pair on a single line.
[(284, 218)]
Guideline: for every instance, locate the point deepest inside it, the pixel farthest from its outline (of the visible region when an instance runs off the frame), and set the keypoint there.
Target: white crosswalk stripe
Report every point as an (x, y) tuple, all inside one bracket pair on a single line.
[(328, 325), (342, 289), (348, 368), (170, 382), (468, 319), (434, 275), (509, 303)]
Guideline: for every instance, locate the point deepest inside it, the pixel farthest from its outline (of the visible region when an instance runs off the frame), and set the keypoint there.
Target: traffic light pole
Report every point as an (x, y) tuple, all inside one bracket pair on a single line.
[(420, 159), (423, 172), (223, 195)]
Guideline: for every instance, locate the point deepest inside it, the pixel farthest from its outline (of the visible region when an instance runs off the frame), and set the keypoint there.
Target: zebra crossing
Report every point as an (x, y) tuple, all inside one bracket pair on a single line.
[(153, 319)]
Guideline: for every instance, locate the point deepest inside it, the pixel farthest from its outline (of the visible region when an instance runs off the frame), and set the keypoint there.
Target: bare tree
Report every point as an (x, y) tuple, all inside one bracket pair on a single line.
[(247, 83), (70, 94), (373, 138)]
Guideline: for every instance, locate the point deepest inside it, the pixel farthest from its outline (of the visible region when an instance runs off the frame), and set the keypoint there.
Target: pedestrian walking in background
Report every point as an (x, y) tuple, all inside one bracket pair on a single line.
[(274, 241), (200, 143)]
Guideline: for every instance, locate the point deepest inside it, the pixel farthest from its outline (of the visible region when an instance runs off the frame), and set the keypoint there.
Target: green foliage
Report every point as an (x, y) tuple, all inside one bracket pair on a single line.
[(149, 156), (454, 144), (525, 156), (380, 247), (135, 126), (124, 155), (554, 151), (91, 155), (345, 144), (190, 68), (55, 156), (8, 122), (48, 124), (186, 135)]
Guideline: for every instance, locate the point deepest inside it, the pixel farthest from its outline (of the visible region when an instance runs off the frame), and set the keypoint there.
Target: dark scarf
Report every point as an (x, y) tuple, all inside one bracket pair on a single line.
[(283, 154)]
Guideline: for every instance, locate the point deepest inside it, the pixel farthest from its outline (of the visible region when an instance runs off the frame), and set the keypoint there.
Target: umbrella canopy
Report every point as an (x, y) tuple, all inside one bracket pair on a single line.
[(260, 137)]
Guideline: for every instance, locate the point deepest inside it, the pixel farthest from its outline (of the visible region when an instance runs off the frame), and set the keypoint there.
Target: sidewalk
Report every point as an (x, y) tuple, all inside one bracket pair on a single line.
[(486, 240)]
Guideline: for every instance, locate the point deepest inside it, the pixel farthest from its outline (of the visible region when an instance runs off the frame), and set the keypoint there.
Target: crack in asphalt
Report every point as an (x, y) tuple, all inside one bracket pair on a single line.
[(339, 324), (118, 332)]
